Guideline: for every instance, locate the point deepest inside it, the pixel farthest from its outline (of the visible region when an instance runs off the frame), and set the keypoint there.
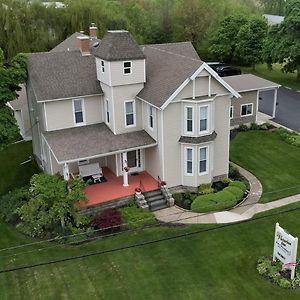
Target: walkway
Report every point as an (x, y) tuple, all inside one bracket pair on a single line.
[(244, 211)]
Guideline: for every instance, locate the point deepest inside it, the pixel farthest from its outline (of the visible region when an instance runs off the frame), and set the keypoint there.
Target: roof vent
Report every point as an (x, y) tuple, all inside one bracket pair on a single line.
[(96, 45)]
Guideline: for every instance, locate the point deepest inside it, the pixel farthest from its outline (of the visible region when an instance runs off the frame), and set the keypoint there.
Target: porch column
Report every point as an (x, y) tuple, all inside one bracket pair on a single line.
[(274, 103), (125, 173), (66, 172)]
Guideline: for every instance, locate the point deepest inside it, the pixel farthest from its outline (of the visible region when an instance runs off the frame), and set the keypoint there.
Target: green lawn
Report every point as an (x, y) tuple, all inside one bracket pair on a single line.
[(274, 162), (218, 264), (275, 75), (13, 174)]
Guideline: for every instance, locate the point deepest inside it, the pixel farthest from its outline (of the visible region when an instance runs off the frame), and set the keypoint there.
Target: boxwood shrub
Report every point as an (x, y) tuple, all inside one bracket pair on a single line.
[(239, 184), (222, 200), (134, 217)]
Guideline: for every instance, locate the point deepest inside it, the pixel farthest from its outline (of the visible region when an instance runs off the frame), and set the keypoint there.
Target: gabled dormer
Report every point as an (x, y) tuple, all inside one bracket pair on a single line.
[(119, 59)]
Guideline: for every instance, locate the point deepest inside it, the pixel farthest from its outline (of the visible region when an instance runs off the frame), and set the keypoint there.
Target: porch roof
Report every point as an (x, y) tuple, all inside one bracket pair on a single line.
[(95, 140)]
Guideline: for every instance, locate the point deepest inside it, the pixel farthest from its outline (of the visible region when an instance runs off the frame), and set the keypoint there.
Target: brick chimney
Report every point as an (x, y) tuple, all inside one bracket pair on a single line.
[(84, 45), (93, 31)]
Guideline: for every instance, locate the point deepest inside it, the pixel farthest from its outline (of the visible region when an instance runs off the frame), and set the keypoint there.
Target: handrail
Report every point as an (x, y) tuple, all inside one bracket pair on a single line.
[(158, 181)]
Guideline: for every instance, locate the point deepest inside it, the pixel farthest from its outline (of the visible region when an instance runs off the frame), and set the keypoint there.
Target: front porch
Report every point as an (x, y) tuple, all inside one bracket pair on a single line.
[(113, 188)]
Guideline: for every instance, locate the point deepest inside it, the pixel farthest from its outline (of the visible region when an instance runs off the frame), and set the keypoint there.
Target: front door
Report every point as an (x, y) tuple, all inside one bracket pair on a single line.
[(134, 160)]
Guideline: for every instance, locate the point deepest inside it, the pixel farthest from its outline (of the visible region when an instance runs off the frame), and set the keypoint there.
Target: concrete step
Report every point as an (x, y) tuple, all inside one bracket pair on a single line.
[(155, 198), (152, 193), (158, 205)]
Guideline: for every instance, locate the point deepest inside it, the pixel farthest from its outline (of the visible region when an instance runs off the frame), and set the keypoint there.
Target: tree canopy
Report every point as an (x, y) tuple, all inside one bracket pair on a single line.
[(283, 42), (52, 206), (12, 74)]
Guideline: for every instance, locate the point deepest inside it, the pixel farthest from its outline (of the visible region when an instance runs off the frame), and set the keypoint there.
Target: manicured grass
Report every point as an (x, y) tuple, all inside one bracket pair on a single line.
[(275, 75), (218, 264), (12, 173), (274, 162)]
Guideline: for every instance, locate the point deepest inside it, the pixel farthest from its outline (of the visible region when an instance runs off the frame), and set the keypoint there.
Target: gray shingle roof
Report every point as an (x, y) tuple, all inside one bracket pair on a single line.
[(118, 45), (71, 43), (21, 101), (86, 141), (57, 75), (249, 82), (199, 139), (165, 72)]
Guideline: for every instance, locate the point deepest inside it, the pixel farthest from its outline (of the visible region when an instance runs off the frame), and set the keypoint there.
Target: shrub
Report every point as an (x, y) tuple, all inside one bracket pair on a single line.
[(10, 202), (237, 192), (205, 189), (254, 126), (178, 198), (239, 184), (233, 172), (134, 217), (292, 138), (213, 202), (243, 127), (110, 220), (186, 204)]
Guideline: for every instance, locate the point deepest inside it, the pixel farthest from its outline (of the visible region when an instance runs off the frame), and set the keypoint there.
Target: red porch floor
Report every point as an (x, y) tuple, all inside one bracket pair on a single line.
[(113, 188)]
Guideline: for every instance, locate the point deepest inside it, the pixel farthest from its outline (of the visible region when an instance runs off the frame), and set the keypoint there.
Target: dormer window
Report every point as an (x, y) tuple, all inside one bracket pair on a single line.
[(127, 67), (102, 66)]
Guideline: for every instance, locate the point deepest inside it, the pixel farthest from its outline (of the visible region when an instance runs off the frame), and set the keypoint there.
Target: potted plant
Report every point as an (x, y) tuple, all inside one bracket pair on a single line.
[(138, 191), (163, 183)]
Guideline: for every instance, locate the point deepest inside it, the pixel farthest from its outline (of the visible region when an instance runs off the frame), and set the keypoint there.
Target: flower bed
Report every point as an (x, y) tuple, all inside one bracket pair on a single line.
[(221, 195), (273, 272)]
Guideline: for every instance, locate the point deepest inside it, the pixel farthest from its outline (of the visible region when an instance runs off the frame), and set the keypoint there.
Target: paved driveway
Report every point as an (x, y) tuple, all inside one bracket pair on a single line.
[(288, 108)]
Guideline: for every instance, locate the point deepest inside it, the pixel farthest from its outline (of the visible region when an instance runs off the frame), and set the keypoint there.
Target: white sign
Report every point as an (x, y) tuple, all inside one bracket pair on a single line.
[(285, 249)]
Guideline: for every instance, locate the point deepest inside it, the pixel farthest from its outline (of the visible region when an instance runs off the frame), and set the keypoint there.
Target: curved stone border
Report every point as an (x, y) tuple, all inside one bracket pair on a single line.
[(244, 211)]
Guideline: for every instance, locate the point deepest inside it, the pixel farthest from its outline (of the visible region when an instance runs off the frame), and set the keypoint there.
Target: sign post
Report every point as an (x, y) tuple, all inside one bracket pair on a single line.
[(285, 249)]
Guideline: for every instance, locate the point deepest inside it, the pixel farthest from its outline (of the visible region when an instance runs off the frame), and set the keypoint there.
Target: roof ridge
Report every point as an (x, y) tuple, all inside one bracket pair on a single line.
[(173, 53)]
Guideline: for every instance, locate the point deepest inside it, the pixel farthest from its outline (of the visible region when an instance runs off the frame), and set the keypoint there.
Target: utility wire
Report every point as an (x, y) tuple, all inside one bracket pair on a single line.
[(113, 227), (141, 244)]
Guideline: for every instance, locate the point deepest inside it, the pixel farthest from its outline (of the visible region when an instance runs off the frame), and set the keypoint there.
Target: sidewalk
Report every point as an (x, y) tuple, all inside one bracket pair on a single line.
[(244, 211)]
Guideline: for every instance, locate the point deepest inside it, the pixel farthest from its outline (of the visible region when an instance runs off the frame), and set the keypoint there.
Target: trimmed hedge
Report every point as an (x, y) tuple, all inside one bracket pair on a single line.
[(239, 184), (222, 200)]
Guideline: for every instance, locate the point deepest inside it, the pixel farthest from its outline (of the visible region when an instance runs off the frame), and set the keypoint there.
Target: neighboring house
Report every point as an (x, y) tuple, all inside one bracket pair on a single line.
[(20, 109), (157, 108), (273, 19)]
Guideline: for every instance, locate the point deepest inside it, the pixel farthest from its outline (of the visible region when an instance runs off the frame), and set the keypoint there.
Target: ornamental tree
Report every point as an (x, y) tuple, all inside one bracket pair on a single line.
[(52, 206), (283, 42)]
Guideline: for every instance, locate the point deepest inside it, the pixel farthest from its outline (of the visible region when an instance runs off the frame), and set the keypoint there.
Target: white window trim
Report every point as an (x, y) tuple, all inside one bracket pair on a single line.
[(231, 109), (83, 112), (127, 67), (107, 110), (185, 161), (246, 104), (207, 161), (102, 64), (150, 109), (134, 114), (186, 132), (208, 120)]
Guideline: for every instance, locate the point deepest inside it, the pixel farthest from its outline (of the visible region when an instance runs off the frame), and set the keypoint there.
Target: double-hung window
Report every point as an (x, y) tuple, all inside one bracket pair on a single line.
[(127, 67), (203, 160), (107, 111), (203, 119), (151, 116), (130, 113), (102, 66), (231, 112), (78, 111), (247, 110), (189, 161), (189, 119)]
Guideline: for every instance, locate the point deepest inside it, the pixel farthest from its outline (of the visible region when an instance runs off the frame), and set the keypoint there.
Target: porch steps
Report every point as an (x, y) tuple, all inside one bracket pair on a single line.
[(156, 200)]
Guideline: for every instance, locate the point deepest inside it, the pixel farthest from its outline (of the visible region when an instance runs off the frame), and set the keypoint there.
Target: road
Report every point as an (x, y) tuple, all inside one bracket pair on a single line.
[(288, 108)]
